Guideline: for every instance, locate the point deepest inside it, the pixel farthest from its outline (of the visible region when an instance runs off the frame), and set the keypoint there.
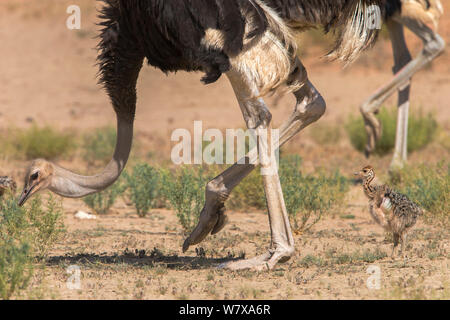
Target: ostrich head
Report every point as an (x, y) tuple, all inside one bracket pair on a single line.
[(38, 177), (43, 175), (366, 173)]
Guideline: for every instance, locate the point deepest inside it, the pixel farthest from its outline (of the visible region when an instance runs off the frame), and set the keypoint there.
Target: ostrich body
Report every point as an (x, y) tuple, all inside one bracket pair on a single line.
[(422, 18), (7, 184), (251, 42), (391, 210)]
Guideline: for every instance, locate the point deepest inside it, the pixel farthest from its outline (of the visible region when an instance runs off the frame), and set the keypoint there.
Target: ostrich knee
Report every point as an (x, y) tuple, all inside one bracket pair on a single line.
[(435, 46), (259, 117), (316, 108), (311, 106)]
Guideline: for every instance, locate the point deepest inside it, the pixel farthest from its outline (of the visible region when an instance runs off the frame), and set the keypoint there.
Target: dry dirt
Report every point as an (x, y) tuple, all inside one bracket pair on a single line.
[(48, 76)]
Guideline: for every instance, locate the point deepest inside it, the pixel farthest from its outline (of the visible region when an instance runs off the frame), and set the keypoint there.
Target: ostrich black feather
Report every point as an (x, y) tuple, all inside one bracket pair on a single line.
[(169, 33)]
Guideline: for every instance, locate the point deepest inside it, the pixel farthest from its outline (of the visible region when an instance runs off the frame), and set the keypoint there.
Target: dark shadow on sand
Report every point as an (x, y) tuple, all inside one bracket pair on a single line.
[(140, 258)]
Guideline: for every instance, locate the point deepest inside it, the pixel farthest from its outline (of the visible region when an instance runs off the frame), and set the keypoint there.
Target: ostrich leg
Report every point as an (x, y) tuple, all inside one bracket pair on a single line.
[(404, 236), (404, 69), (401, 57), (258, 117), (309, 108), (394, 247)]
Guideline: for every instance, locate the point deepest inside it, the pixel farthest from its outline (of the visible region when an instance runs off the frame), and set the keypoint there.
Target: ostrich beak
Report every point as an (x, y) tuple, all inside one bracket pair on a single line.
[(26, 193)]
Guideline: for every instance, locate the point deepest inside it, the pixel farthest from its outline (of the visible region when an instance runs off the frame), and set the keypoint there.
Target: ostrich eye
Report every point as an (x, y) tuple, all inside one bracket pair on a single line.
[(34, 176)]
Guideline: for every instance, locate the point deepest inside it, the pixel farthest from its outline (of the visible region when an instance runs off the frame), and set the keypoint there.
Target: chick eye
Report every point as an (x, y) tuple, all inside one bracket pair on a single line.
[(34, 176)]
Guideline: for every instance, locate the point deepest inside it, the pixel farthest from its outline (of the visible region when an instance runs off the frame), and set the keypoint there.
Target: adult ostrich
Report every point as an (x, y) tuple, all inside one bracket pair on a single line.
[(248, 40), (422, 18)]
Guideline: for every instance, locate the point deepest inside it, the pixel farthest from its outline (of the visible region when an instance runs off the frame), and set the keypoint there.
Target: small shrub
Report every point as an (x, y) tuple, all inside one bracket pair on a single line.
[(16, 268), (311, 196), (428, 186), (326, 134), (47, 224), (249, 194), (15, 252), (99, 145), (307, 198), (26, 233), (102, 202), (311, 260), (444, 139), (367, 256), (142, 186), (421, 131), (7, 148), (40, 225), (185, 191), (37, 142)]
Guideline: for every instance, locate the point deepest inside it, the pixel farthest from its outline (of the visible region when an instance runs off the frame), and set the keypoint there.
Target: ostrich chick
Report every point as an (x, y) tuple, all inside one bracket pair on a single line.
[(6, 184), (390, 209)]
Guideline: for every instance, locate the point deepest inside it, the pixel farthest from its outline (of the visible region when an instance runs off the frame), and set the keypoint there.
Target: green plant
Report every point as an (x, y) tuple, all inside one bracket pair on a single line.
[(308, 197), (38, 224), (102, 202), (367, 256), (143, 187), (429, 186), (326, 134), (37, 142), (99, 145), (15, 267), (421, 131), (311, 260), (444, 139), (46, 221), (414, 289), (185, 191), (26, 233), (249, 193)]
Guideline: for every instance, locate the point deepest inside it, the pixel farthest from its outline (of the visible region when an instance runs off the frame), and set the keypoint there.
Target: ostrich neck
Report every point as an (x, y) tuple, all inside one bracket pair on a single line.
[(368, 189), (71, 185)]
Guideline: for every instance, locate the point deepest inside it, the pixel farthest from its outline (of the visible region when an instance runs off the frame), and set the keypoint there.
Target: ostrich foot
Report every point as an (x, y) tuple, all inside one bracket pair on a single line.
[(394, 254), (212, 220), (396, 165), (263, 262)]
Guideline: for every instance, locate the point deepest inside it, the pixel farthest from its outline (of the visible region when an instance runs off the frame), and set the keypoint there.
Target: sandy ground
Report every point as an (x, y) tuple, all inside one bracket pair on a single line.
[(122, 256), (48, 76)]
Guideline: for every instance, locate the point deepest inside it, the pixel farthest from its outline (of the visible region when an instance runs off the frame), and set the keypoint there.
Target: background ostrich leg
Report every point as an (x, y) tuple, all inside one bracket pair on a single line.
[(404, 69), (309, 108)]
